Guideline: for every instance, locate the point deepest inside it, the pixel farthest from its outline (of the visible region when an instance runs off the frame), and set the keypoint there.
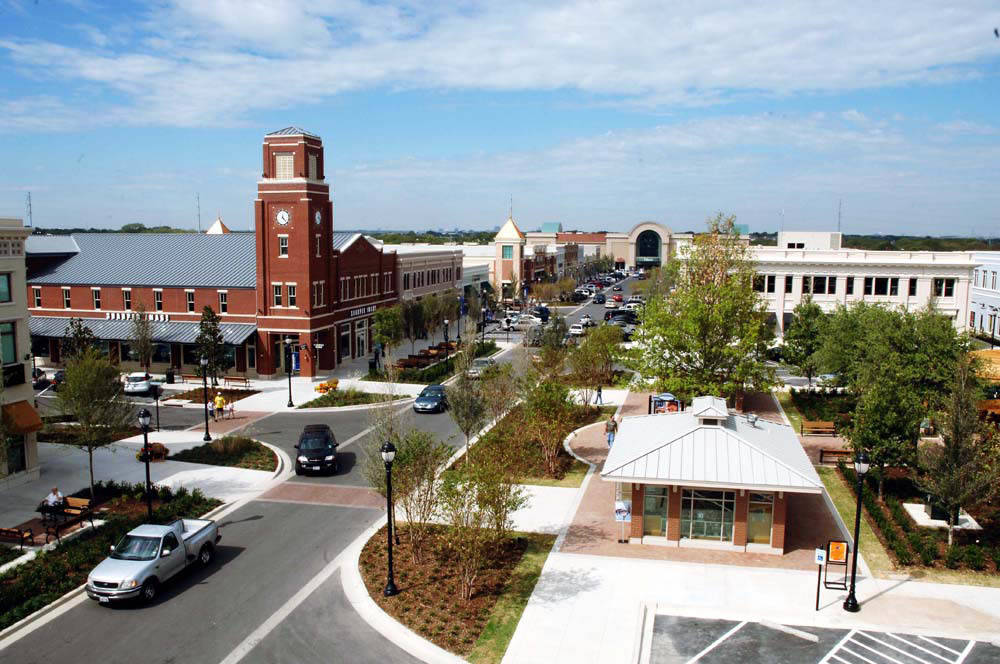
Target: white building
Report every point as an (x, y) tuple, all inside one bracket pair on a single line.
[(19, 463), (814, 263), (984, 304)]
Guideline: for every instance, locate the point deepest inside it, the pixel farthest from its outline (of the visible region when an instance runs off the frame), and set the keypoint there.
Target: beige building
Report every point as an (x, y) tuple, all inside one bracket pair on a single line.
[(19, 461)]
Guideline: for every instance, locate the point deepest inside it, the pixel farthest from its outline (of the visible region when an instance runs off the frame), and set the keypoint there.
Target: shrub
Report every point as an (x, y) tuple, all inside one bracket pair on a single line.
[(928, 551), (232, 445), (974, 557), (995, 554), (899, 514), (954, 557)]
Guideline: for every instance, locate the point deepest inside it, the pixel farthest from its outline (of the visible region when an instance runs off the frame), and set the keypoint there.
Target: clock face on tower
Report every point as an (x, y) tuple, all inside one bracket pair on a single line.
[(282, 217), (319, 217)]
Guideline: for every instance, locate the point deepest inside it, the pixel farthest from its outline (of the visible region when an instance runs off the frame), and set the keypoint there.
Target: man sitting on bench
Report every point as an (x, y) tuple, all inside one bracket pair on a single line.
[(53, 503)]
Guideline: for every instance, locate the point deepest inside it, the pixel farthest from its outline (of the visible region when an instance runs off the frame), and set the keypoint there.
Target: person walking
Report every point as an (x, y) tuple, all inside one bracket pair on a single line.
[(220, 406), (211, 408), (610, 429), (599, 399)]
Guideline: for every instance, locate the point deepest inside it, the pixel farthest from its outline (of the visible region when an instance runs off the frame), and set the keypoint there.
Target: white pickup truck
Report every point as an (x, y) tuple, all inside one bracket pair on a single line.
[(149, 555)]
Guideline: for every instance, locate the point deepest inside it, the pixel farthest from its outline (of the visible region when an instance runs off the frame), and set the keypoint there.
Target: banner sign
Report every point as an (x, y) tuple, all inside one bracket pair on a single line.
[(837, 552), (623, 511)]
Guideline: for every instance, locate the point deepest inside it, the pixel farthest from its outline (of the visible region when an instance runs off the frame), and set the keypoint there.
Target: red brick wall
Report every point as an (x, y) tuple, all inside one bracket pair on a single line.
[(778, 527), (638, 491), (740, 518), (674, 514)]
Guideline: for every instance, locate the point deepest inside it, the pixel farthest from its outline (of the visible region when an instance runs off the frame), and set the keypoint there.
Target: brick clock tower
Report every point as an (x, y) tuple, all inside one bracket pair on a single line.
[(294, 227)]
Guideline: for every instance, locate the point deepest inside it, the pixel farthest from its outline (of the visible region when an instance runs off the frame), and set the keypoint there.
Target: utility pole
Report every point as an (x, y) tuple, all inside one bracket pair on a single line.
[(197, 198), (29, 208)]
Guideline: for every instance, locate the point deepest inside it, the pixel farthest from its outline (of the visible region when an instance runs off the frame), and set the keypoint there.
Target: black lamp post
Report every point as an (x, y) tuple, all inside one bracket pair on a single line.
[(157, 390), (461, 304), (144, 418), (447, 348), (861, 466), (288, 368), (388, 454), (204, 392)]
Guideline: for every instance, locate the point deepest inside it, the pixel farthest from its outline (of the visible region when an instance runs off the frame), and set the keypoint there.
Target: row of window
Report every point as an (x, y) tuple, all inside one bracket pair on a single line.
[(989, 279), (430, 277), (283, 293), (96, 299), (982, 322), (827, 285), (364, 285)]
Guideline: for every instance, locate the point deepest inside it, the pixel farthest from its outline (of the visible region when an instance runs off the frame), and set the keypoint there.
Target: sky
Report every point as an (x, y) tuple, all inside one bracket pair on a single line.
[(435, 114)]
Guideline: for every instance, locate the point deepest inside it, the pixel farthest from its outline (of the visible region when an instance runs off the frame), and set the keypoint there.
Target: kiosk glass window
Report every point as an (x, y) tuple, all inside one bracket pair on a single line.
[(654, 511), (760, 513), (707, 514)]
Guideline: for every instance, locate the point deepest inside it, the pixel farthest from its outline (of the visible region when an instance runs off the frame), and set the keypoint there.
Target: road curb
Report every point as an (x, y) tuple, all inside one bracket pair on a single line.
[(361, 601)]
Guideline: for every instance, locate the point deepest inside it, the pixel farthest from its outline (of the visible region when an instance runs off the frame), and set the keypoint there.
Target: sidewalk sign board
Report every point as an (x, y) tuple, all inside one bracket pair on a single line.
[(820, 556), (623, 515), (836, 556)]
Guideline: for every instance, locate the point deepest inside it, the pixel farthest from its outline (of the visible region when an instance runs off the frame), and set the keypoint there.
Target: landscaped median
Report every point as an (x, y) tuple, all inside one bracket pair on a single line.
[(50, 575), (350, 397), (430, 601), (436, 373), (232, 451)]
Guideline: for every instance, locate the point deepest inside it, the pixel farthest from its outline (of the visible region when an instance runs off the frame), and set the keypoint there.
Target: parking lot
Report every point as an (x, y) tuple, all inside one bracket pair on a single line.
[(682, 640)]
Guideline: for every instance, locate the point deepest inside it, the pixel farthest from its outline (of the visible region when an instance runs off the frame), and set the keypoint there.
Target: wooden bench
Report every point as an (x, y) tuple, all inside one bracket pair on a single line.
[(75, 510), (834, 455), (236, 380), (192, 377), (17, 535), (817, 428)]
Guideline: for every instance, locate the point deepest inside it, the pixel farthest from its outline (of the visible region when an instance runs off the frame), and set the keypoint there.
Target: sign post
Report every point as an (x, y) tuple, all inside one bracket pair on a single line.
[(820, 559)]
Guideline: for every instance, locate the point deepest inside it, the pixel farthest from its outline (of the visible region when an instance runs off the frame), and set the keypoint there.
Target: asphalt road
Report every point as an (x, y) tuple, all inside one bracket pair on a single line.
[(172, 418), (268, 551)]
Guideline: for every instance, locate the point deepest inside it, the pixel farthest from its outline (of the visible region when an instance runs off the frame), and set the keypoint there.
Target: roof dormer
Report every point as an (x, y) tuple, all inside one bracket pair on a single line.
[(710, 411)]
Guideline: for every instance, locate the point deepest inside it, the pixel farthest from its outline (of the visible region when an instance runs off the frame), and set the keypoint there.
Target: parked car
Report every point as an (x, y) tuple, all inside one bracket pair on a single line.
[(617, 287), (58, 378), (586, 320), (579, 297), (577, 330), (617, 297), (479, 365), (39, 380), (137, 382), (633, 306), (599, 299), (623, 314), (150, 555), (317, 450), (542, 313), (524, 321), (431, 399), (611, 304)]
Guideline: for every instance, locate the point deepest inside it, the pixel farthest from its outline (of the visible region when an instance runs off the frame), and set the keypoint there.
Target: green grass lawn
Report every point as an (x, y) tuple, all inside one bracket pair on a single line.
[(871, 548), (572, 479), (496, 635), (794, 416)]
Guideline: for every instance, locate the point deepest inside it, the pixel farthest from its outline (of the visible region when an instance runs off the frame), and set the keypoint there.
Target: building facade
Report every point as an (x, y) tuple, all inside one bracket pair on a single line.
[(294, 294), (19, 458), (984, 303)]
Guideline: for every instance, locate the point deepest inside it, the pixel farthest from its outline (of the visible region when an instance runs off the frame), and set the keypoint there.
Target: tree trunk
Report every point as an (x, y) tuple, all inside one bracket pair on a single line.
[(90, 456), (951, 530)]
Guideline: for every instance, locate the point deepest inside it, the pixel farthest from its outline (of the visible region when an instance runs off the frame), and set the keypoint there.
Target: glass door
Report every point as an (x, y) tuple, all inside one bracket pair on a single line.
[(707, 515), (759, 516), (654, 511)]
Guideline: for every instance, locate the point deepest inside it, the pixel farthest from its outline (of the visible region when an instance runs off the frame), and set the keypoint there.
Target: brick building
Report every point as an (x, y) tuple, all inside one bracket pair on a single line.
[(294, 278)]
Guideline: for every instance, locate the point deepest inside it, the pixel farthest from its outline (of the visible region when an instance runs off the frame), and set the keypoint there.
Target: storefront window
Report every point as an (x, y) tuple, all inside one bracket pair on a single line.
[(161, 353), (40, 346), (654, 511), (707, 514), (7, 345), (189, 353), (759, 516)]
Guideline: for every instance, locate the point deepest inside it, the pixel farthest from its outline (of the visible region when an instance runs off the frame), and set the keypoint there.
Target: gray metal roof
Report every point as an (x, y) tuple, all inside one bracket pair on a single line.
[(342, 240), (121, 329), (51, 244), (157, 259), (292, 131)]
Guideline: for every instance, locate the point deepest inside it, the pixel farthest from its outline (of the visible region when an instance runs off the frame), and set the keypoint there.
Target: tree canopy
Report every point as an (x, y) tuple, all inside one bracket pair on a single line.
[(804, 337)]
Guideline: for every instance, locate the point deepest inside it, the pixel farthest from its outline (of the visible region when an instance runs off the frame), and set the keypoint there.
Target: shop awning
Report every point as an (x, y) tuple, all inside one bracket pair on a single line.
[(115, 329), (21, 417)]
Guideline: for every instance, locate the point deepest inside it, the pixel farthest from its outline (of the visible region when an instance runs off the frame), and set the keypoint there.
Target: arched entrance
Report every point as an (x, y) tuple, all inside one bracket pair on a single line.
[(648, 249)]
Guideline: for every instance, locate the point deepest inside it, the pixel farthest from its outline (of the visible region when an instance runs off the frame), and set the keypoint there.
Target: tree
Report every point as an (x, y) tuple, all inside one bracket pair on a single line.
[(93, 393), (604, 341), (547, 406), (710, 335), (500, 388), (413, 321), (432, 314), (466, 537), (78, 338), (388, 325), (960, 470), (210, 344), (498, 492), (141, 336), (804, 336), (466, 407)]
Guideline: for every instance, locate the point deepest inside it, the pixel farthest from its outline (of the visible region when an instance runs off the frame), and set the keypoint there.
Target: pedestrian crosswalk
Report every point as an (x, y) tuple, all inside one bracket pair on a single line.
[(868, 647)]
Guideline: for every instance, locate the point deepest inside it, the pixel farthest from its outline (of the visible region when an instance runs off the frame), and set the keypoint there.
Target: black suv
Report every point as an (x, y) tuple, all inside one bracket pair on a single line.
[(316, 450), (622, 314)]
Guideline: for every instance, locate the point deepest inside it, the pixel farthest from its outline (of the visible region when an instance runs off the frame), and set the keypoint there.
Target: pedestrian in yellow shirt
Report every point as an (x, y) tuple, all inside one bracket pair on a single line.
[(220, 406)]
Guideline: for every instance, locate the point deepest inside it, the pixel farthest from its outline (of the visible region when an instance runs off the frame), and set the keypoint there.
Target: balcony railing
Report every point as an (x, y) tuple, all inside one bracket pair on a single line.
[(14, 374)]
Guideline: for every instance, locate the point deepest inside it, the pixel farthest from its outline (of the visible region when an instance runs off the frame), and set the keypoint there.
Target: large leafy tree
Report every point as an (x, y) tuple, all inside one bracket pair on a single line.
[(709, 334), (804, 337), (547, 406), (141, 336), (388, 325), (433, 314), (94, 395), (963, 469), (210, 343)]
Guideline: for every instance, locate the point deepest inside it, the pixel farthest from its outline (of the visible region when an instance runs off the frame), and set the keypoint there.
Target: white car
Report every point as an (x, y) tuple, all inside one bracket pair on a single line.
[(137, 382), (633, 306), (610, 304), (577, 330), (586, 320)]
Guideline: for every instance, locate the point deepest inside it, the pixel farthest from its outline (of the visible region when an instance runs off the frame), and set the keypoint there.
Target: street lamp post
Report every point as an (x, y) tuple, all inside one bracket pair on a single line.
[(388, 454), (156, 396), (461, 305), (861, 466), (288, 368), (447, 348), (144, 418), (204, 393)]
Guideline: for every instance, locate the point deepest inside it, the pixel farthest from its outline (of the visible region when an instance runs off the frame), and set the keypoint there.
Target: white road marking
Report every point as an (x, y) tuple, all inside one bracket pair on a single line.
[(939, 645), (789, 630), (889, 645), (880, 654), (716, 643), (965, 653), (858, 655), (838, 646), (918, 647)]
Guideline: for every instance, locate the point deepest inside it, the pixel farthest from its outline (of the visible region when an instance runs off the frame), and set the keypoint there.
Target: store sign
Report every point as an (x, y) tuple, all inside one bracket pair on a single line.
[(623, 511), (361, 311)]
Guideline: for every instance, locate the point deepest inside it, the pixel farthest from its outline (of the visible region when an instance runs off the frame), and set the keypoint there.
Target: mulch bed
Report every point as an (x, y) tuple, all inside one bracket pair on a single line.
[(229, 394), (429, 601)]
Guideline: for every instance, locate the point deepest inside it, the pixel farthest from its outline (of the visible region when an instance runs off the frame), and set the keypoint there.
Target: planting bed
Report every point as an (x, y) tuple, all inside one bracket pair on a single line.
[(229, 394), (348, 397), (233, 451)]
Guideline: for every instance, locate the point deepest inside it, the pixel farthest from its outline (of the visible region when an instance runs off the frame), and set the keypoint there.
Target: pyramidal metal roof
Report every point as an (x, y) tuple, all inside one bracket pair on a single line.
[(292, 131)]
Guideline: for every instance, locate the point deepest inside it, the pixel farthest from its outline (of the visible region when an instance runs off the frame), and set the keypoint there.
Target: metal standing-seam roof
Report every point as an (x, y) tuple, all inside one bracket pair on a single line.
[(292, 131), (51, 244), (343, 239), (157, 259), (673, 448), (121, 329)]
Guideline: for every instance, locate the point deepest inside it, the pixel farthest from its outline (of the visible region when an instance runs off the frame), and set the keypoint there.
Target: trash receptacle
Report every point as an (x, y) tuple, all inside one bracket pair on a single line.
[(170, 377), (372, 366)]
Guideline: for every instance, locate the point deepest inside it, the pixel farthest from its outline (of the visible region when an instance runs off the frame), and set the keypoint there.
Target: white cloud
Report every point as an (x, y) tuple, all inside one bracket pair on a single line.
[(210, 62)]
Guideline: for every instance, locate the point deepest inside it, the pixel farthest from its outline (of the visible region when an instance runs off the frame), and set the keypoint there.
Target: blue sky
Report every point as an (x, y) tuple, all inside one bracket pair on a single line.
[(594, 114)]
